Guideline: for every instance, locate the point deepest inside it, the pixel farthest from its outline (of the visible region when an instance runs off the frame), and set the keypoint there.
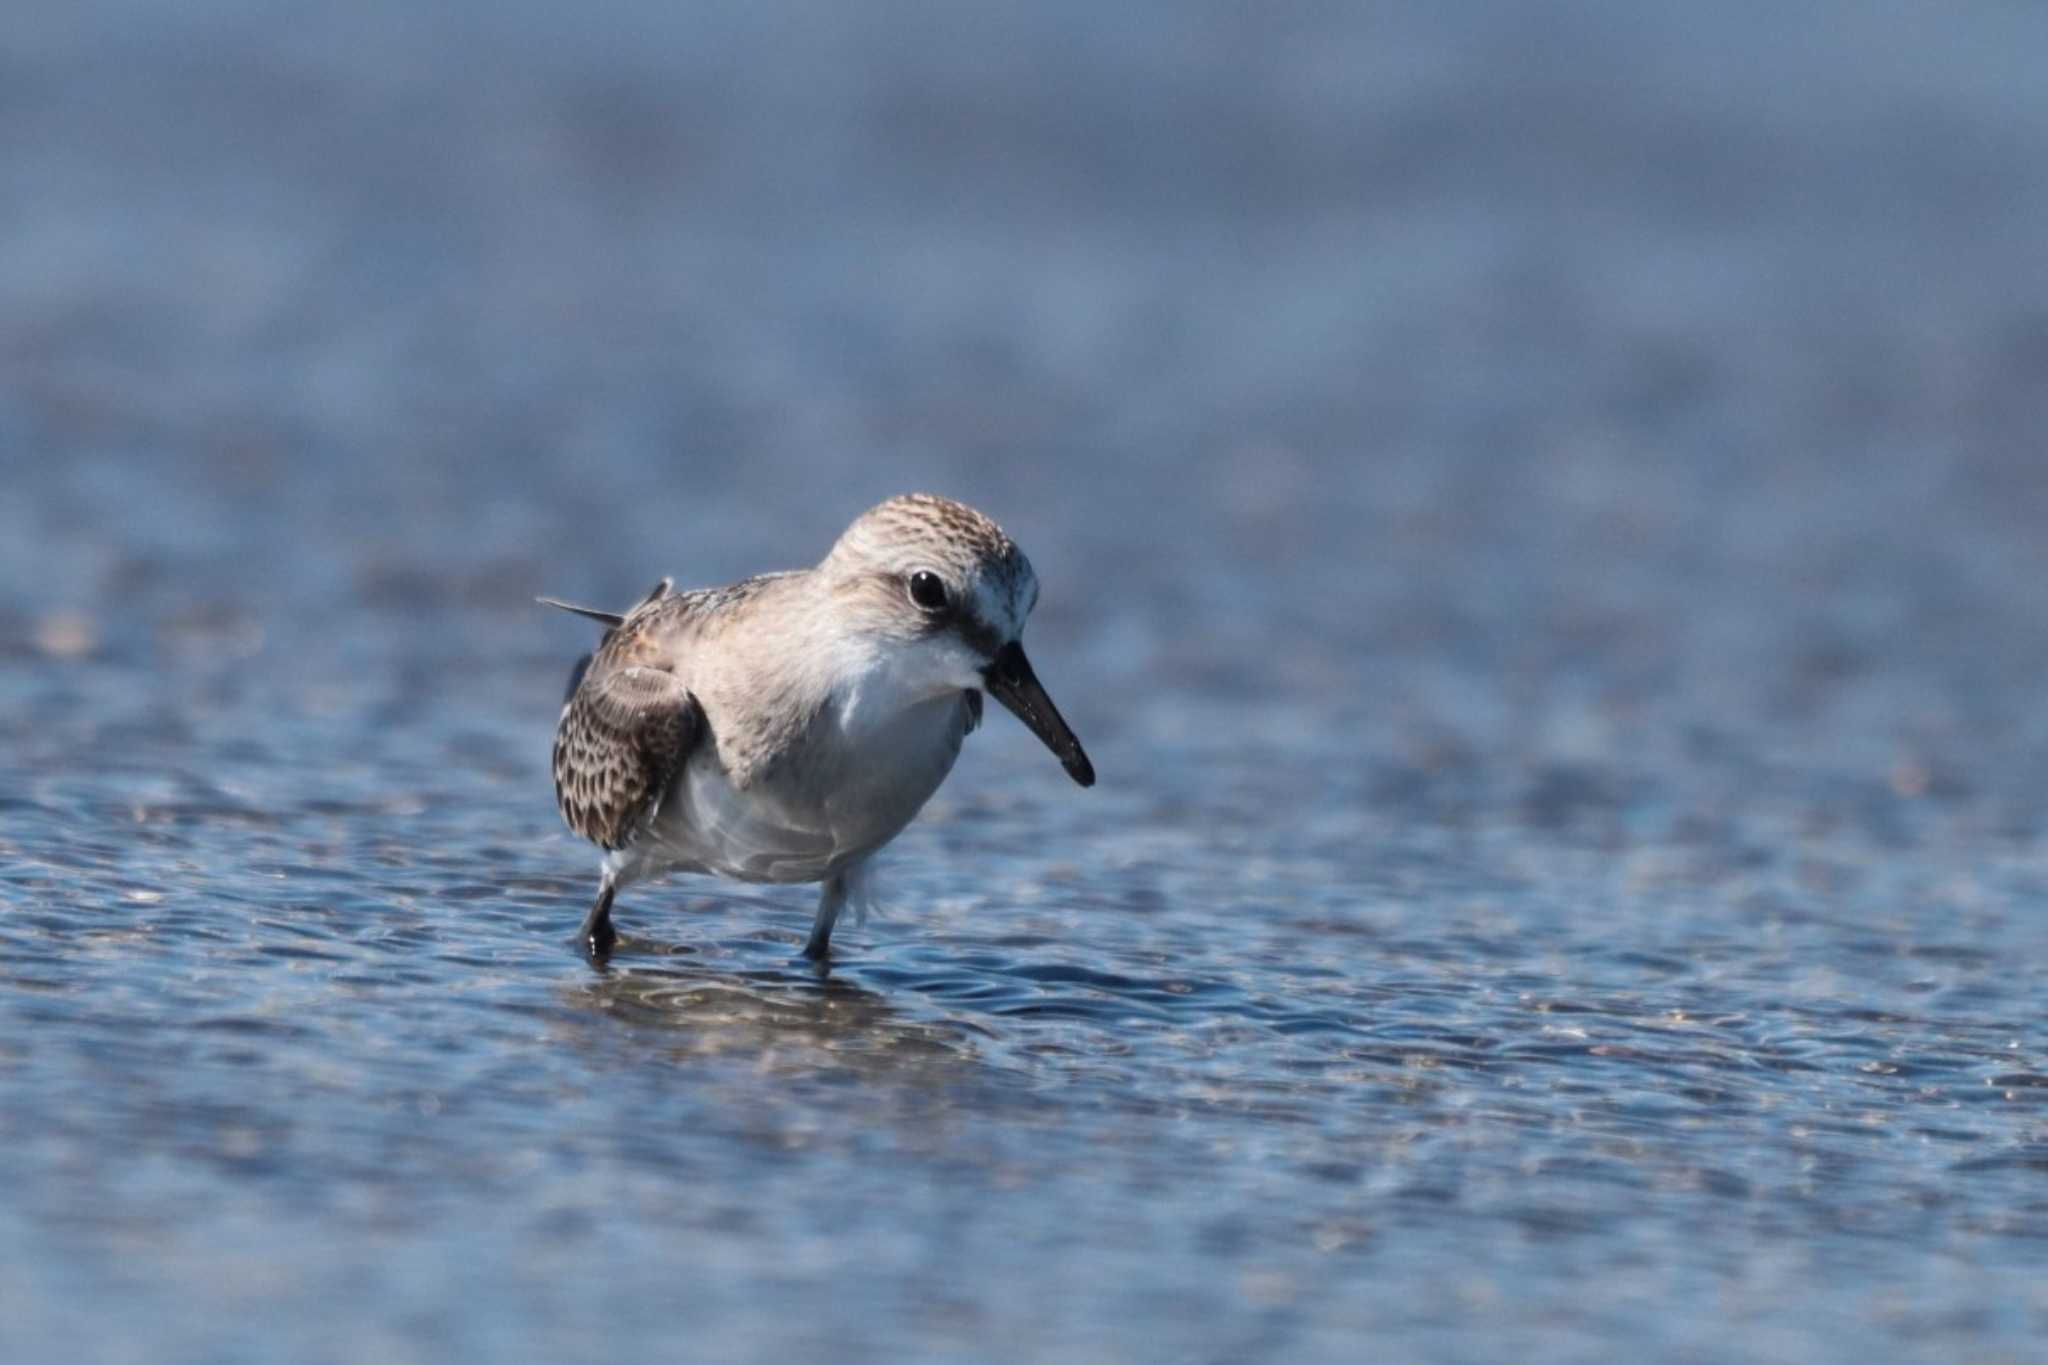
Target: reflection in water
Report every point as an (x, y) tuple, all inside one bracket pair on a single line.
[(788, 1020)]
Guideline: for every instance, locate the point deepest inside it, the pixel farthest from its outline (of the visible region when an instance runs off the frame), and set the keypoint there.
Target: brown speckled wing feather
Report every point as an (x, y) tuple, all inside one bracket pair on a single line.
[(624, 736)]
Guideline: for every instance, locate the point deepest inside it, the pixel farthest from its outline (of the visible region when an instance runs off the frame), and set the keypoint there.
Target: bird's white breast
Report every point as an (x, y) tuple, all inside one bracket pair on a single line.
[(845, 785)]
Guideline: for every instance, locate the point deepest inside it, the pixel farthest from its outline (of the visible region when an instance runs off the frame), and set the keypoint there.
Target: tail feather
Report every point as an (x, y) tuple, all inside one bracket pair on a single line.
[(610, 619)]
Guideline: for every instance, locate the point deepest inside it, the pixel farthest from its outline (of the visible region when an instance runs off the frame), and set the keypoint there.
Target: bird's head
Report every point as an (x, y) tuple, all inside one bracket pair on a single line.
[(949, 593)]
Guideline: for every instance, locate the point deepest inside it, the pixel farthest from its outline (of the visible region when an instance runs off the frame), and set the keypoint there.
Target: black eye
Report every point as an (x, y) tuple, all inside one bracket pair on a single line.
[(927, 591)]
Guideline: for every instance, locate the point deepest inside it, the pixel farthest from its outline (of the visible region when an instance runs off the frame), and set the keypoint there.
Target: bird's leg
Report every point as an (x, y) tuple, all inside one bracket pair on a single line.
[(830, 901), (597, 934)]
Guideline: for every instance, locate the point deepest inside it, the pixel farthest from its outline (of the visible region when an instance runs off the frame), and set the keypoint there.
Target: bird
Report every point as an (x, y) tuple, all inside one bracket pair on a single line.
[(786, 727)]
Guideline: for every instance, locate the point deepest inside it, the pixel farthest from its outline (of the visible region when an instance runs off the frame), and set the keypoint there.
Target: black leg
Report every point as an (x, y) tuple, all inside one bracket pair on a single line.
[(597, 934), (829, 902)]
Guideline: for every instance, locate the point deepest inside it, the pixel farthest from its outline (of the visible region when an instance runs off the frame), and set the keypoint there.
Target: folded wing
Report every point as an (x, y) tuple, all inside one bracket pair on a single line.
[(625, 734)]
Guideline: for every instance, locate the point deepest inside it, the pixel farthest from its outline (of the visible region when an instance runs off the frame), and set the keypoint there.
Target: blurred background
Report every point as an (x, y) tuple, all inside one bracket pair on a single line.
[(1540, 513)]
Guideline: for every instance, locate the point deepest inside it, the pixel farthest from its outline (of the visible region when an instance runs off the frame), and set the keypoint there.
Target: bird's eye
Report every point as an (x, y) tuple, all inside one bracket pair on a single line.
[(927, 591)]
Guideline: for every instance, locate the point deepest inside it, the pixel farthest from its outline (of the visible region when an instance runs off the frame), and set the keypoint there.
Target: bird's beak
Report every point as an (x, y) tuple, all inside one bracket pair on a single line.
[(1011, 682)]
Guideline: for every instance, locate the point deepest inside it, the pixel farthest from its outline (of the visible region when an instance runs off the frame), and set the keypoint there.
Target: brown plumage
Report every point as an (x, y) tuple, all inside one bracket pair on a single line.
[(626, 730)]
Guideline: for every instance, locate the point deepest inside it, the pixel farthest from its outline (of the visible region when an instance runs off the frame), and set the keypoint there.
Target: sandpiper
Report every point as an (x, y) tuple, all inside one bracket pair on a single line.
[(784, 728)]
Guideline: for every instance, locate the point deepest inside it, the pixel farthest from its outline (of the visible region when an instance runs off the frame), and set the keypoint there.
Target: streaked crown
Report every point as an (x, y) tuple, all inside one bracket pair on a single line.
[(982, 568)]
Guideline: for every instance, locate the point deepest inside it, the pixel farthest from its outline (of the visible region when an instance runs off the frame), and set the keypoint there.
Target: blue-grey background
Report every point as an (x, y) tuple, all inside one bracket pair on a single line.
[(1540, 511)]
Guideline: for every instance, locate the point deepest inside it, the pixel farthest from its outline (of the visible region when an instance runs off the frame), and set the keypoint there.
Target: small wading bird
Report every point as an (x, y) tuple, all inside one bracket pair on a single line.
[(784, 728)]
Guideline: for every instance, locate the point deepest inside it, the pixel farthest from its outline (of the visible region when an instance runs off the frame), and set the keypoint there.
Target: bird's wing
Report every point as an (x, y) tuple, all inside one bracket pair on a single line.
[(973, 710), (625, 734)]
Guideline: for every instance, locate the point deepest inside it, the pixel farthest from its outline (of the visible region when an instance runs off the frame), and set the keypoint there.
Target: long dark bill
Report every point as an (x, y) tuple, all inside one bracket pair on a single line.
[(1011, 682)]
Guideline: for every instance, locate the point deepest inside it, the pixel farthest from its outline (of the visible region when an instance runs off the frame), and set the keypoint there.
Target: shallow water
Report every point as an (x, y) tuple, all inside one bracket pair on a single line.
[(1540, 531)]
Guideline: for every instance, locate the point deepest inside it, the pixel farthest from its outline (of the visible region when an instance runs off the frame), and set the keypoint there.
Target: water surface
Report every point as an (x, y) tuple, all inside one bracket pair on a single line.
[(1540, 529)]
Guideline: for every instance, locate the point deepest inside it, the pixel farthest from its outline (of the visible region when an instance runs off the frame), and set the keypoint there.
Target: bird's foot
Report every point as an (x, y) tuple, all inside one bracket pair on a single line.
[(597, 934)]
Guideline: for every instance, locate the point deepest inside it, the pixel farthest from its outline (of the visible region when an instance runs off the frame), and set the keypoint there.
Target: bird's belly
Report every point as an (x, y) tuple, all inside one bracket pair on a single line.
[(806, 820), (707, 825)]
